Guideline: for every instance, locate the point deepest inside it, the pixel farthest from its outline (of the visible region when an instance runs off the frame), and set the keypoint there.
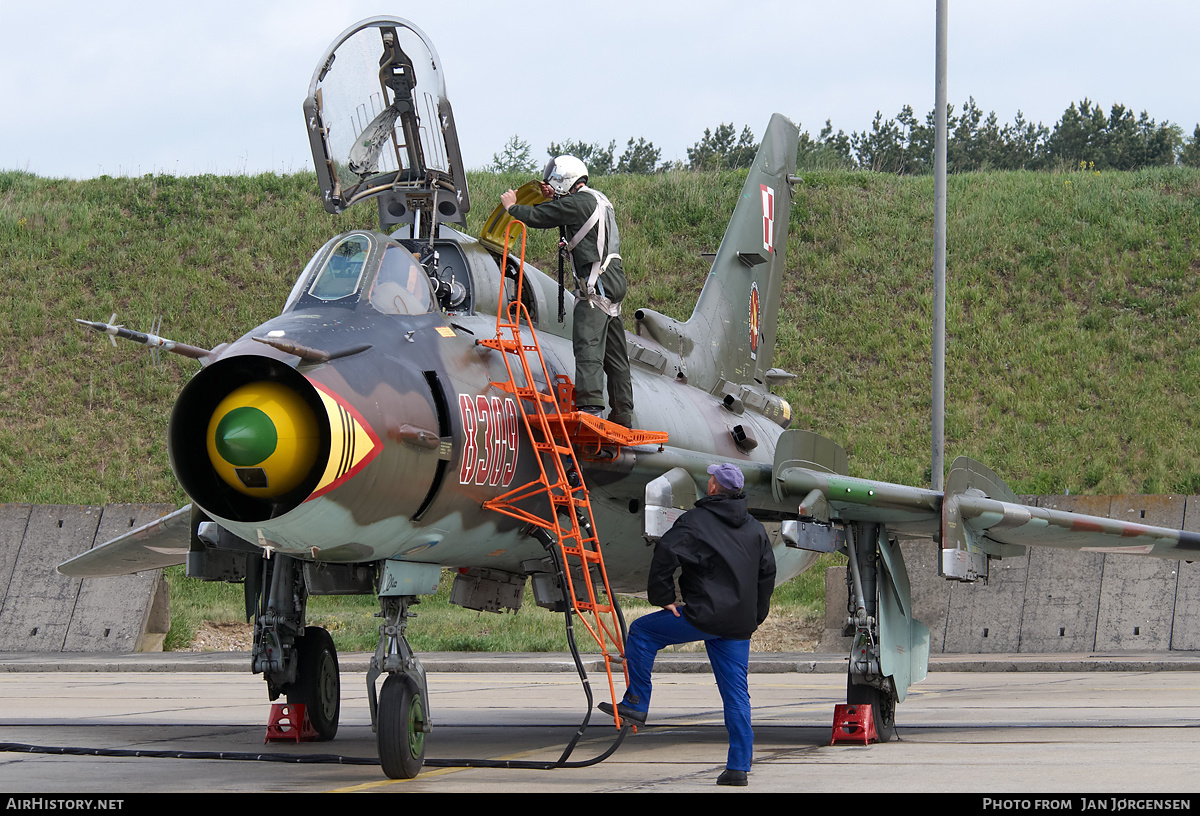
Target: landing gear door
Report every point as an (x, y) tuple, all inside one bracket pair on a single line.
[(380, 126)]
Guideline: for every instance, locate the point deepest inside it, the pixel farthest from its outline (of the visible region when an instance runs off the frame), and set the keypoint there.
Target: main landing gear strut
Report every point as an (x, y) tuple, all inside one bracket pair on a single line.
[(865, 682), (296, 660)]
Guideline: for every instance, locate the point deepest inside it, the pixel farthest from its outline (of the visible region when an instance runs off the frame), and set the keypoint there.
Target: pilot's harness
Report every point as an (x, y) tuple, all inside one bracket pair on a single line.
[(591, 289)]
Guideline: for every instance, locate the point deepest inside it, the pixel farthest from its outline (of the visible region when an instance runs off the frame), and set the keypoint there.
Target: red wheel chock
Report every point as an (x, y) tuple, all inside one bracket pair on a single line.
[(853, 723), (289, 721)]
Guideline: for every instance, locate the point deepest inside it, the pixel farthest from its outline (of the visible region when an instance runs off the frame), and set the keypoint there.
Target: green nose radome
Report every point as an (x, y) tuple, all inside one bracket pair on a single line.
[(246, 436)]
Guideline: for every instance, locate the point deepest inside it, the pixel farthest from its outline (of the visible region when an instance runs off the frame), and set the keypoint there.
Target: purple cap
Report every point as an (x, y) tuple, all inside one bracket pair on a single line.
[(728, 476)]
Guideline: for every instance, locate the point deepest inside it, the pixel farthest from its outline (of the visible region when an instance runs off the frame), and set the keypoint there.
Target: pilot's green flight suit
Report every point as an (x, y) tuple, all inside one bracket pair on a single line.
[(598, 338)]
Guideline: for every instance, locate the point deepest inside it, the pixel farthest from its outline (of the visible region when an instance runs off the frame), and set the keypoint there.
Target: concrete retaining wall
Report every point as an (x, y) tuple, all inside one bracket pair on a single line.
[(1055, 600), (42, 611)]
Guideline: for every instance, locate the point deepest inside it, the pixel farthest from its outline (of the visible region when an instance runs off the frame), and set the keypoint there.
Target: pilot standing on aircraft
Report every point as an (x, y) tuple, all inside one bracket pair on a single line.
[(726, 579), (590, 231)]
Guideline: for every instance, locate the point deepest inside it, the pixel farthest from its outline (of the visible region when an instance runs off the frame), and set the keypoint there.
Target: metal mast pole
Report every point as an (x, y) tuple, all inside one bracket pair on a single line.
[(939, 254)]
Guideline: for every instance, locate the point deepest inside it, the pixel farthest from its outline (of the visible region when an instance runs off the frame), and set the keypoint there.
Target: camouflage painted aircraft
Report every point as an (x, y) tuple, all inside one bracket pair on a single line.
[(350, 445)]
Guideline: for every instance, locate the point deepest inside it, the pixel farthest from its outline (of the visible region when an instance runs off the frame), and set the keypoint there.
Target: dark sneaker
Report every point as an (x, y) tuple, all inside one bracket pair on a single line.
[(625, 711), (592, 410), (729, 777)]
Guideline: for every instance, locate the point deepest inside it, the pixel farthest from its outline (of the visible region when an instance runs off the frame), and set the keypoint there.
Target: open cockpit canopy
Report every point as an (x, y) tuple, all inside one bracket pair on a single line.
[(380, 127)]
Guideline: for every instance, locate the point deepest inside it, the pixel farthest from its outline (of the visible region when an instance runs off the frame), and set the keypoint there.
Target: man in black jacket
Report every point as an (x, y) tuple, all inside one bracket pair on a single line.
[(726, 579)]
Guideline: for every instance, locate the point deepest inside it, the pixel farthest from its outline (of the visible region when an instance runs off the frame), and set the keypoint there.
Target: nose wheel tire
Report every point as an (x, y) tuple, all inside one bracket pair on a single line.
[(401, 732), (318, 685)]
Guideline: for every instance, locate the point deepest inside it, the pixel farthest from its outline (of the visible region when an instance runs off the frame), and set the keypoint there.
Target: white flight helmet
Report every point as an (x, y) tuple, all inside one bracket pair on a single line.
[(563, 172)]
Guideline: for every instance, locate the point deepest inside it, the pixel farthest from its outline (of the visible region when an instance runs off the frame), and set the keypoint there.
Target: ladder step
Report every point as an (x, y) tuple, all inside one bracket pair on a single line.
[(582, 555), (531, 394), (588, 553)]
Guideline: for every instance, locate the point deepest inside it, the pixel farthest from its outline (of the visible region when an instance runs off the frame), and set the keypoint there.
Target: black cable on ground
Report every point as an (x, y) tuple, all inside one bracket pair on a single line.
[(316, 759)]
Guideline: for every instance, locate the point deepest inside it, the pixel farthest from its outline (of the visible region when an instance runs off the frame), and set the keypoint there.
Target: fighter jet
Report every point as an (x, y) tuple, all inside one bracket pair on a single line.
[(409, 410)]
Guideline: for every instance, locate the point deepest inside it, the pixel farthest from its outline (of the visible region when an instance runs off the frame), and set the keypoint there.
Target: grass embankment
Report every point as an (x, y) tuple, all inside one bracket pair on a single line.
[(1072, 362)]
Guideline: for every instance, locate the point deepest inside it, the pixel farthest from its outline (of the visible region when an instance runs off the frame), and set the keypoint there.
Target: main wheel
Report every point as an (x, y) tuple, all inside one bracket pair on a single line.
[(318, 684), (401, 732), (883, 707)]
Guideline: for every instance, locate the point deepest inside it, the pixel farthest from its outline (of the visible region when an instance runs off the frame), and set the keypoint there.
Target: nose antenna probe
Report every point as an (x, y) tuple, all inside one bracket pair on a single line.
[(115, 330)]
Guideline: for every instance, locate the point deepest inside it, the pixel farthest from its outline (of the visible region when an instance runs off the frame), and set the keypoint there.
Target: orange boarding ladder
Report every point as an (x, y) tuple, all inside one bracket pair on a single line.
[(560, 481)]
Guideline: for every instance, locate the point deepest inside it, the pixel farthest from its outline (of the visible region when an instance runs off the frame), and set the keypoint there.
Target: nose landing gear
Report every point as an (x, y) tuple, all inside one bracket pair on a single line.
[(400, 714)]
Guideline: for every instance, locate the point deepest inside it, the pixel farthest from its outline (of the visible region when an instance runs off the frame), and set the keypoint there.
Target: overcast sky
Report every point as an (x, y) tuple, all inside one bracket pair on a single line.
[(128, 87)]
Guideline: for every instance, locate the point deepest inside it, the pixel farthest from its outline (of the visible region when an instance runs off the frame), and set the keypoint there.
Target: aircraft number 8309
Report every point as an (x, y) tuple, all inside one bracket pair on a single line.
[(489, 454)]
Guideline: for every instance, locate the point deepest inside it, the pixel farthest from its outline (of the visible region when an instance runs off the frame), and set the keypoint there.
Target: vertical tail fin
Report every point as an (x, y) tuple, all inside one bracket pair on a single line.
[(733, 325)]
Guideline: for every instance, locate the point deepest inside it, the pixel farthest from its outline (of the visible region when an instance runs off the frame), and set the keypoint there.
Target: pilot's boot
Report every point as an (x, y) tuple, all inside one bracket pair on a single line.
[(624, 420)]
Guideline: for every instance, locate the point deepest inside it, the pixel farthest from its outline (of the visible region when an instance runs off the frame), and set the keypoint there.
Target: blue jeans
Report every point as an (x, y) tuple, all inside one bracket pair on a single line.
[(730, 661)]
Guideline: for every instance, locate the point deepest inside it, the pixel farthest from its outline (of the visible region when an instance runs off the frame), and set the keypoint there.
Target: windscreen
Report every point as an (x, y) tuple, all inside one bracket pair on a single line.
[(343, 269)]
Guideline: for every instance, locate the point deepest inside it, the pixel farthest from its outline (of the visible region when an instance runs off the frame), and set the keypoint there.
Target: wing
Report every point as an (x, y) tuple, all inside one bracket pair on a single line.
[(978, 515), (982, 517), (1012, 524), (161, 543), (811, 469)]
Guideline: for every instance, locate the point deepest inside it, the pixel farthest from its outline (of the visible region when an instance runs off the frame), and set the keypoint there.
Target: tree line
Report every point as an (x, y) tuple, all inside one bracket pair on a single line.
[(1084, 136)]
